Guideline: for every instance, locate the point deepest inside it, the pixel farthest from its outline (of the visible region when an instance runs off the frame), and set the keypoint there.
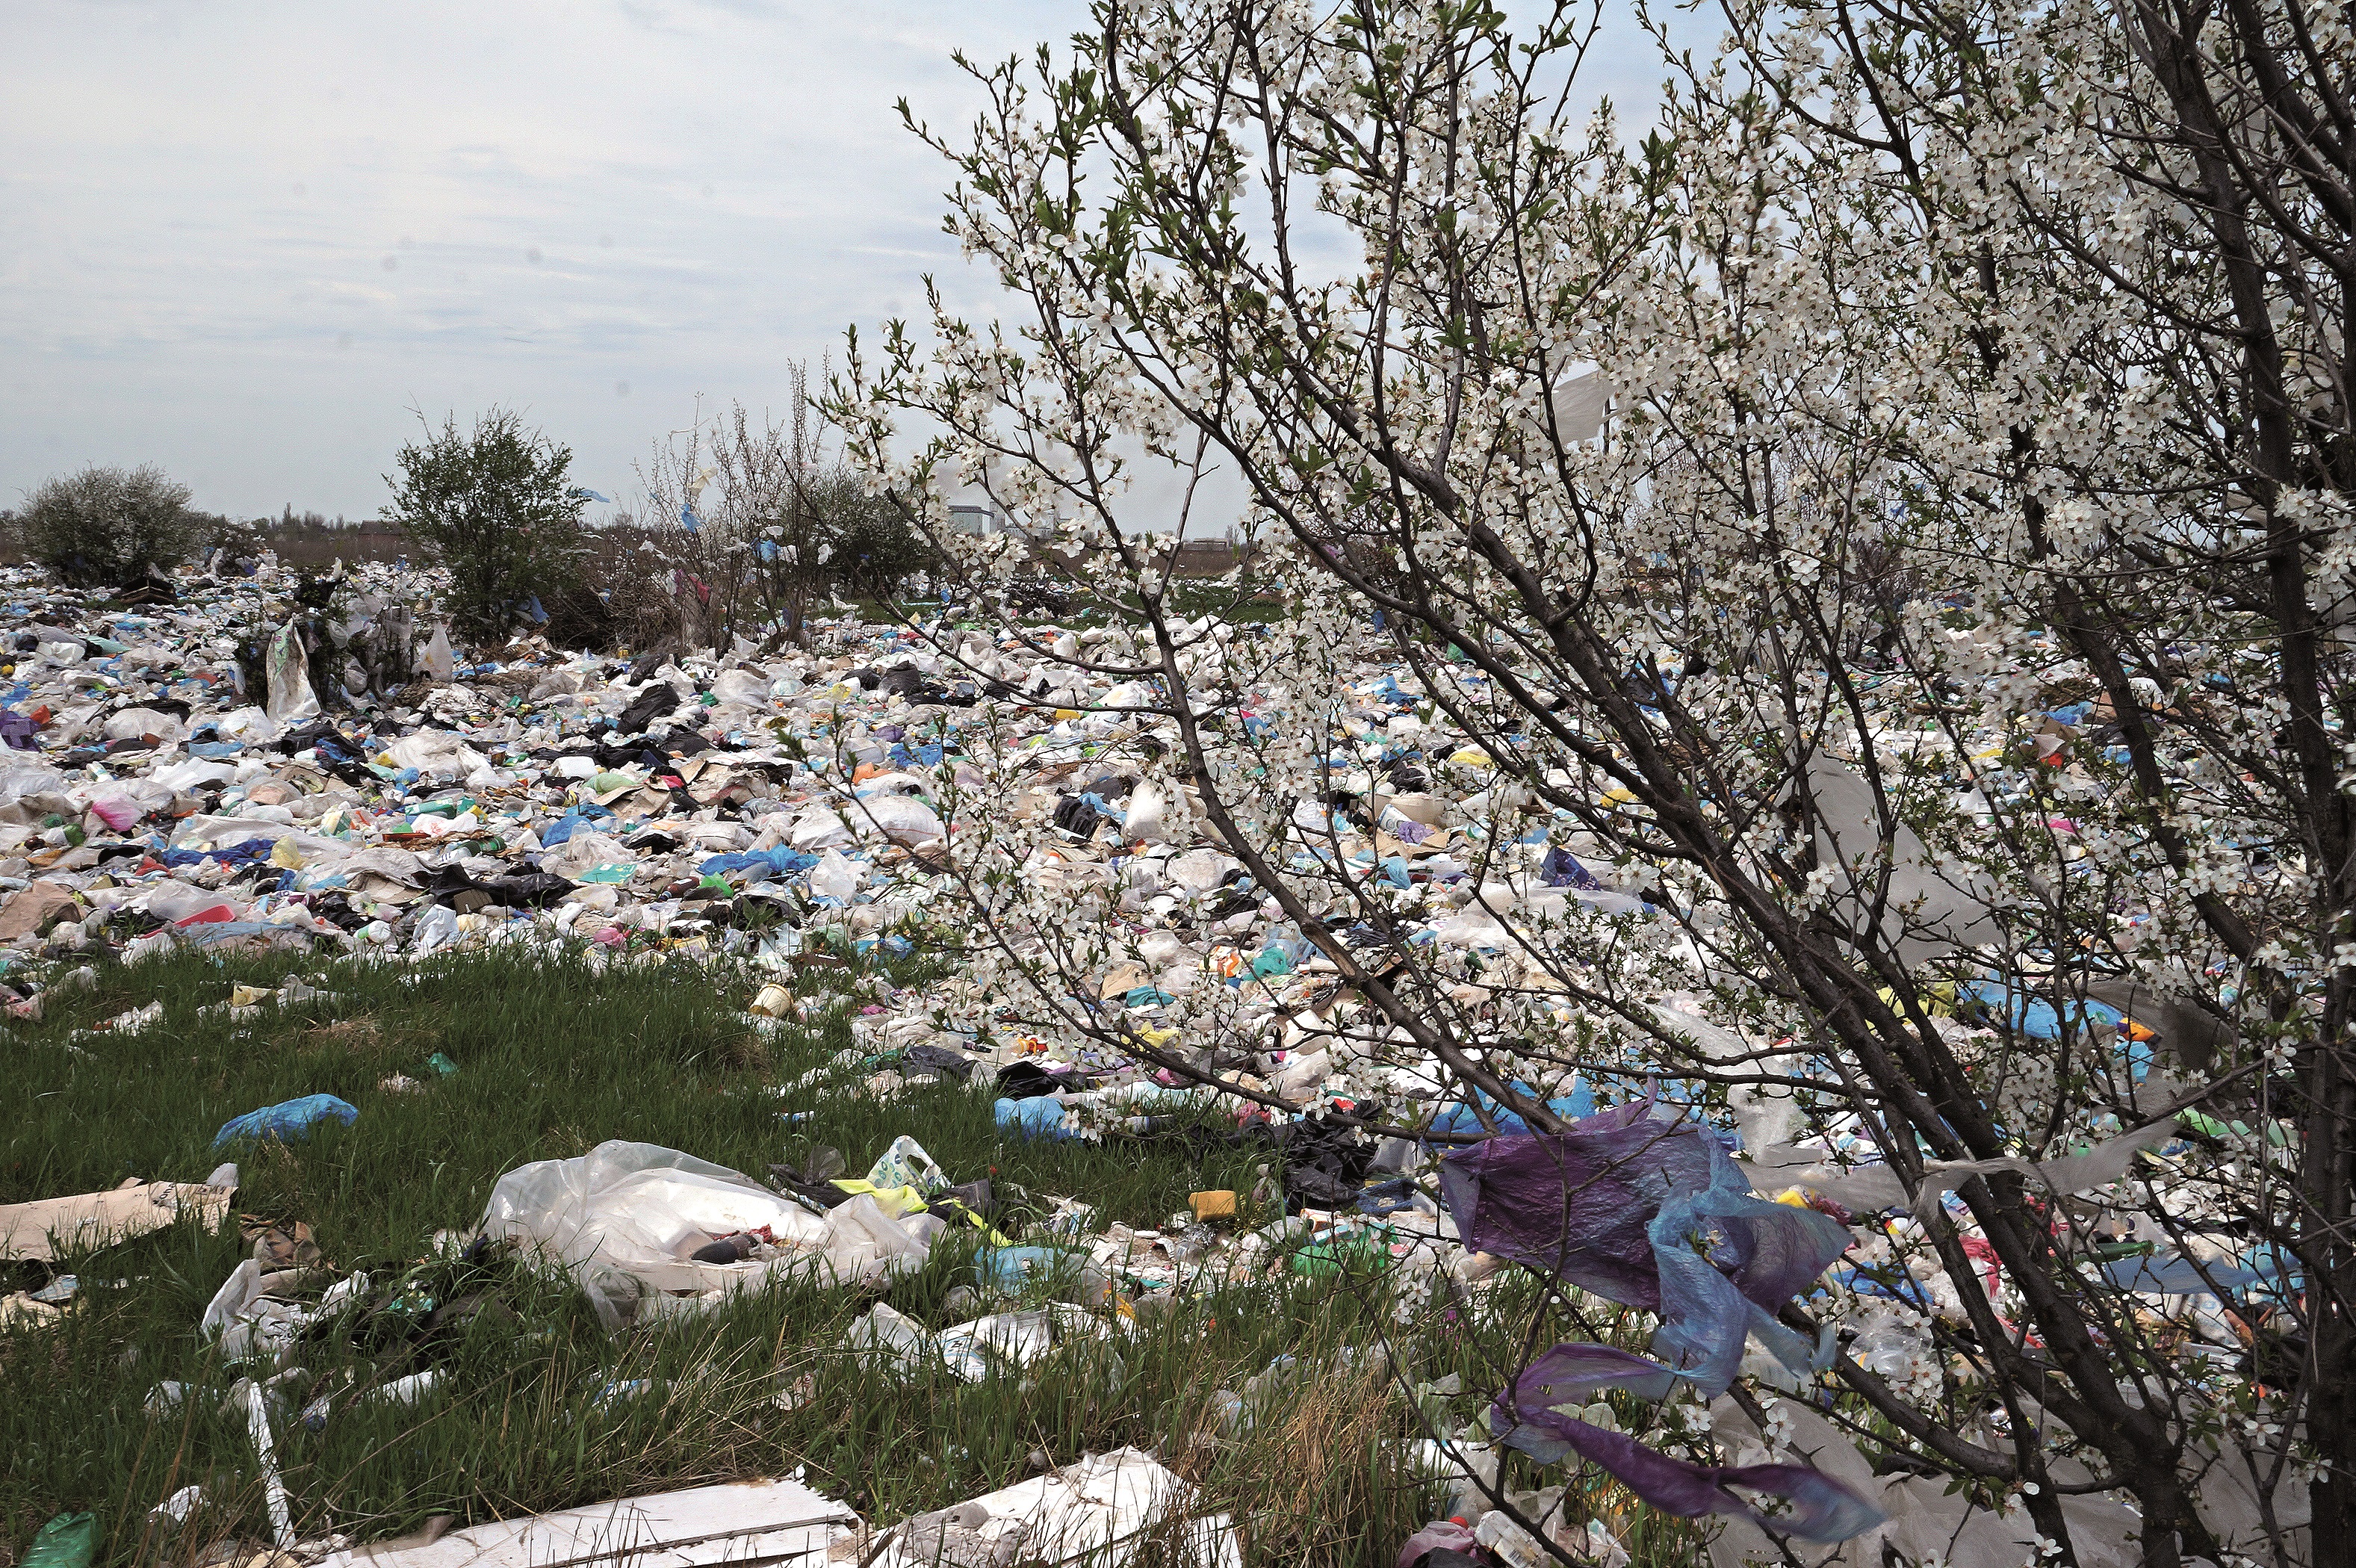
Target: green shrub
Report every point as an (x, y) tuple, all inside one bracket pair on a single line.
[(108, 526), (495, 508), (874, 546)]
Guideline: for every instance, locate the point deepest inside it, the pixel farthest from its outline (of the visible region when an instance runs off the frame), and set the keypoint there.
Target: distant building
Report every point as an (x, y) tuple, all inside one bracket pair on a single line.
[(1195, 557), (1209, 557)]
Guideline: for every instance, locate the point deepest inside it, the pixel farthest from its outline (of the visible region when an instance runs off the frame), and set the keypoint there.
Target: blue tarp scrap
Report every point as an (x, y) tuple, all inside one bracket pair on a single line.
[(2040, 1020), (777, 862), (1039, 1117), (230, 855)]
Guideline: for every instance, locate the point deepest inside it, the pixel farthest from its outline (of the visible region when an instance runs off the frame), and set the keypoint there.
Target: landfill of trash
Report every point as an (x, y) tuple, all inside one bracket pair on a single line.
[(169, 792), (176, 786)]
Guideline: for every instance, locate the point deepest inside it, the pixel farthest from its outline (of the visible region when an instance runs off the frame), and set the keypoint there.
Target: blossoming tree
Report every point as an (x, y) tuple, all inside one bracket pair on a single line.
[(1858, 578)]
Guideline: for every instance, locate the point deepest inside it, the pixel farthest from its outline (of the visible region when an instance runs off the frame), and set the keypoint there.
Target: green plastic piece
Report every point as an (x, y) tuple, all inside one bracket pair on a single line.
[(69, 1540), (1324, 1259)]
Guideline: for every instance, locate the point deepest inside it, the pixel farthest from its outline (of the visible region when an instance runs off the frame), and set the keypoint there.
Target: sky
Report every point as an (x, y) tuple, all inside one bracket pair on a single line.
[(244, 241)]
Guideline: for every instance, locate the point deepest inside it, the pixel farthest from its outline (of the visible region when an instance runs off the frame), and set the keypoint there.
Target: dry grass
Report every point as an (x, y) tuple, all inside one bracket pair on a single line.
[(743, 1051), (360, 1036), (1319, 1459)]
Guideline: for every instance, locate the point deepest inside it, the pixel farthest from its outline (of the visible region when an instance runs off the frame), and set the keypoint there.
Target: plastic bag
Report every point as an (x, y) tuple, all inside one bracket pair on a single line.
[(1147, 806), (835, 877), (119, 812), (438, 662), (66, 1541), (436, 752), (903, 819), (905, 1164), (436, 927), (819, 828), (288, 1119), (639, 1211), (291, 700)]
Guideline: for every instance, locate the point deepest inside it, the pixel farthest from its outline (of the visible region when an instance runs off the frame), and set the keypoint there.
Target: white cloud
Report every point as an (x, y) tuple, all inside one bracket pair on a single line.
[(242, 241)]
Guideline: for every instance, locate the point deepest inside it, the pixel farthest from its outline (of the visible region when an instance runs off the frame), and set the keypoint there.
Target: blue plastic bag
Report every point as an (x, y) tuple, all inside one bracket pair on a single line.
[(1008, 1267), (1039, 1117), (288, 1120)]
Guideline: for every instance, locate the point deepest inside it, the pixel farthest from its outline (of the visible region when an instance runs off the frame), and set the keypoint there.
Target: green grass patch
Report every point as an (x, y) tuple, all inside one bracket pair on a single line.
[(542, 1409)]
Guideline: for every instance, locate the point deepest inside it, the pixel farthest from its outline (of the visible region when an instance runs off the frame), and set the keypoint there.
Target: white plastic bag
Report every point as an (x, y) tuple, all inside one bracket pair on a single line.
[(436, 927), (1147, 806), (905, 1164), (903, 819), (835, 877), (819, 828), (438, 662), (639, 1211), (292, 701)]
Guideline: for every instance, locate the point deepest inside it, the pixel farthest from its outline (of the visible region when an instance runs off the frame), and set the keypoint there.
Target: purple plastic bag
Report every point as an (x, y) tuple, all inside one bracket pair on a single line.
[(1820, 1507), (1650, 1214)]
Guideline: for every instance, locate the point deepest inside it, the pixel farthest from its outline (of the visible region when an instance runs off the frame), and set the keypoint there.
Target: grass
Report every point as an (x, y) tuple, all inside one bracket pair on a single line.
[(552, 1057)]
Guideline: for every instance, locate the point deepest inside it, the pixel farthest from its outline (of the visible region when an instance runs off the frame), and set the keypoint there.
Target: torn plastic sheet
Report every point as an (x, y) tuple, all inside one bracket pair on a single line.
[(637, 1212), (2253, 1271), (1929, 909), (1923, 1520), (1610, 1204), (1871, 1188)]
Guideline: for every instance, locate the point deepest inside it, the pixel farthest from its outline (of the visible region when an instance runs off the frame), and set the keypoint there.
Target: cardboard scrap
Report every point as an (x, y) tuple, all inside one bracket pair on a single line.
[(93, 1219)]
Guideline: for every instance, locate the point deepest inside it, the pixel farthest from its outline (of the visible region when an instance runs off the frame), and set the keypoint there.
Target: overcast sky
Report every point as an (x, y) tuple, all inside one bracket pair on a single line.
[(242, 240)]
